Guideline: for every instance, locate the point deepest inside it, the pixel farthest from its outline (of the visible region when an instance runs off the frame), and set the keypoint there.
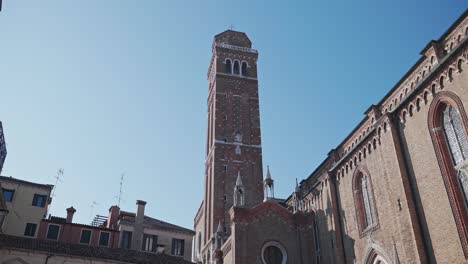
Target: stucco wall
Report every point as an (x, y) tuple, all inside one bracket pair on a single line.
[(20, 208), (165, 238)]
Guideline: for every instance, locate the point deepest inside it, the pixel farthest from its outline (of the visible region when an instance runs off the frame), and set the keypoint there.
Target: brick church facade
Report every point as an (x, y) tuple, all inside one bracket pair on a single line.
[(395, 190)]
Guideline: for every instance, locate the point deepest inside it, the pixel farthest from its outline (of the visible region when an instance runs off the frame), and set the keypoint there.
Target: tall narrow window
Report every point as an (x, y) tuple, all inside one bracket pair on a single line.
[(199, 243), (458, 145), (366, 201), (366, 212), (236, 67), (448, 128), (244, 68), (317, 241), (228, 66)]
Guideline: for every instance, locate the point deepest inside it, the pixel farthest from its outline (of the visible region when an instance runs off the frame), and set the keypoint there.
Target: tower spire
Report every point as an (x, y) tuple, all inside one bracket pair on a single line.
[(268, 185)]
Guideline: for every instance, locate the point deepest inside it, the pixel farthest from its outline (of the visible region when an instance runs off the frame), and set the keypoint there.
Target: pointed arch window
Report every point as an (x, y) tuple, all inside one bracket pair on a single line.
[(244, 68), (228, 66), (448, 127), (364, 202), (236, 68)]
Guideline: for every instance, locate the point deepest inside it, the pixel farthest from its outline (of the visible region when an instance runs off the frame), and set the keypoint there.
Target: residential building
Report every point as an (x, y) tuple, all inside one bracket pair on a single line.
[(23, 250), (121, 229), (27, 204), (64, 230), (3, 150), (144, 233)]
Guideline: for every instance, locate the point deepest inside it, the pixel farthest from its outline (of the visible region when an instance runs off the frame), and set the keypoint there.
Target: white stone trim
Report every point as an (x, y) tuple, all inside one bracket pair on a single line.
[(233, 47)]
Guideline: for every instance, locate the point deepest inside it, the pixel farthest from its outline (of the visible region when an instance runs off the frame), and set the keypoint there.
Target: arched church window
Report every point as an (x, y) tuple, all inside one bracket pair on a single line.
[(228, 66), (273, 253), (236, 69), (244, 68), (364, 201), (448, 128), (458, 145)]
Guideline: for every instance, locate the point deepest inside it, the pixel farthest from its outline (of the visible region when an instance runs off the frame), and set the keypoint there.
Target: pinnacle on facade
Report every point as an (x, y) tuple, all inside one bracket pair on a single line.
[(239, 180), (220, 228), (297, 187), (268, 176)]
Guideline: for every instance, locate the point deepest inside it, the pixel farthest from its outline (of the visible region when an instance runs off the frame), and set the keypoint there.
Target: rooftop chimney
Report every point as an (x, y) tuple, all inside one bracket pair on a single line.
[(70, 212), (113, 218), (138, 227)]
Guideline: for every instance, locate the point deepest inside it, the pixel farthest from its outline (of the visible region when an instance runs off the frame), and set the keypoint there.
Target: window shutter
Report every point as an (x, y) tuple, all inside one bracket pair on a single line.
[(182, 247), (145, 241), (173, 247), (155, 243)]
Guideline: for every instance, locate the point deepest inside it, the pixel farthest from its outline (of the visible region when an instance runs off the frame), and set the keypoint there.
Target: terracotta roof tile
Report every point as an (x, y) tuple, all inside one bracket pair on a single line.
[(129, 256)]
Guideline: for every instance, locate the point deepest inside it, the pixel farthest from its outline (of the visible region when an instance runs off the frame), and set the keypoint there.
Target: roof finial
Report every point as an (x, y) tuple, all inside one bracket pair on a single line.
[(297, 186), (231, 27)]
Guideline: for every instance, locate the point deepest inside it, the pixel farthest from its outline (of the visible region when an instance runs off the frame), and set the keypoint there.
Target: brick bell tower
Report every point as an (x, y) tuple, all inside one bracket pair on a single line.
[(233, 148)]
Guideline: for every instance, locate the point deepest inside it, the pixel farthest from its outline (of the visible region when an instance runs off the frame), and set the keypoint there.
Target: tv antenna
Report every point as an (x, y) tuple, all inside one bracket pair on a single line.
[(92, 206), (58, 178), (120, 191)]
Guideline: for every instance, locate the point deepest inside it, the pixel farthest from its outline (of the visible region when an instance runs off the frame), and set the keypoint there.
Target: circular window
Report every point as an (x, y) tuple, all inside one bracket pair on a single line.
[(273, 253)]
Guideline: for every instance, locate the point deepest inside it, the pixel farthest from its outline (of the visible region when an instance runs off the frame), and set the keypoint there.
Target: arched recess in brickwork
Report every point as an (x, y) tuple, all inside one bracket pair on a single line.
[(375, 255), (228, 66), (449, 170), (364, 201)]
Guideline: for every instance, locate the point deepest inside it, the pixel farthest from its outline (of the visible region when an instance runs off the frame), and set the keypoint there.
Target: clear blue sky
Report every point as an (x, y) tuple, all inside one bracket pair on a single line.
[(101, 88)]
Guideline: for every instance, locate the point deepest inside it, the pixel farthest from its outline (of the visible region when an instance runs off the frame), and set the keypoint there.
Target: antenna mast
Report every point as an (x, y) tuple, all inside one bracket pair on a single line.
[(58, 178), (120, 191), (92, 206)]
